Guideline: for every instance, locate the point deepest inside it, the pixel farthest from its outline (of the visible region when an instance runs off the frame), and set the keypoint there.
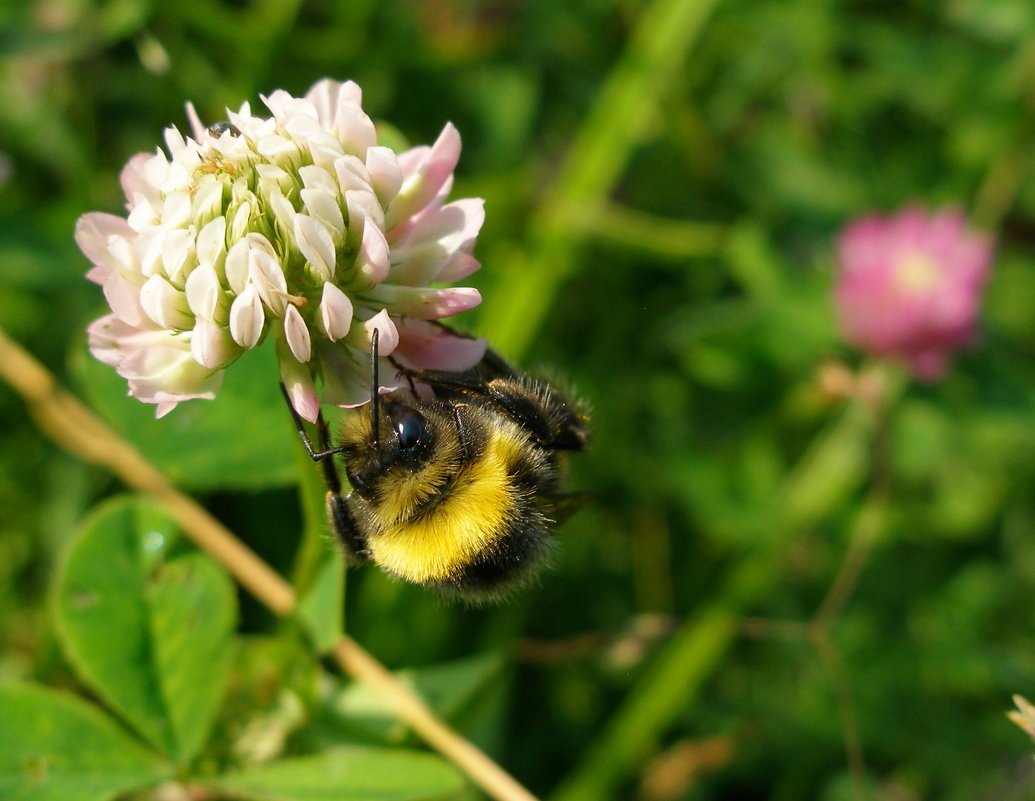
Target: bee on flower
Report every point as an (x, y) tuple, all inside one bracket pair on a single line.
[(297, 226)]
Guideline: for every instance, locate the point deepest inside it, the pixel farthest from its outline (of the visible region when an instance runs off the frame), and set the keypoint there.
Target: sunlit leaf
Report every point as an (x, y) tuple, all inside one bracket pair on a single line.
[(151, 638), (56, 747), (352, 774), (242, 439), (456, 691), (322, 607)]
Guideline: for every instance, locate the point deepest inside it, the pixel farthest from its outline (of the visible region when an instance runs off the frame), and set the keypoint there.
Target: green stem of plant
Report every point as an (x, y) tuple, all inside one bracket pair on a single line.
[(667, 689), (834, 468), (312, 494), (672, 239), (623, 110)]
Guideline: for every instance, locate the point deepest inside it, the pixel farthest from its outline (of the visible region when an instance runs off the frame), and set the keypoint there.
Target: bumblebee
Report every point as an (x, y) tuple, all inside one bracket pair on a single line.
[(459, 492)]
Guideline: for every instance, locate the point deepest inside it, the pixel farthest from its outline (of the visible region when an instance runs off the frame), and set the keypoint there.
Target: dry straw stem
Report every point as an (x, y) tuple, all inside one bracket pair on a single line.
[(75, 428)]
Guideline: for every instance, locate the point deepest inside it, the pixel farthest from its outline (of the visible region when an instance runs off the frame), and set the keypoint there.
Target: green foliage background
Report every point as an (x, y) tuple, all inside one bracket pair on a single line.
[(664, 181)]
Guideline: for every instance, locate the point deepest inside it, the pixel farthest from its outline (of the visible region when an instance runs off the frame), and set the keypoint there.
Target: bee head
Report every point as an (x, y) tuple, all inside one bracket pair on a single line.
[(400, 443)]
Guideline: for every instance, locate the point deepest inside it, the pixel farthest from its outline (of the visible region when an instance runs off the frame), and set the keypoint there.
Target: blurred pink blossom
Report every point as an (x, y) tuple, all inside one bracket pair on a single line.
[(909, 286)]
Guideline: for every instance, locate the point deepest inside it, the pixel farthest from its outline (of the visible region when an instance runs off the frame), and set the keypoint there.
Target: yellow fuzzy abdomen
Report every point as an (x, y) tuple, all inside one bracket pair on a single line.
[(468, 521)]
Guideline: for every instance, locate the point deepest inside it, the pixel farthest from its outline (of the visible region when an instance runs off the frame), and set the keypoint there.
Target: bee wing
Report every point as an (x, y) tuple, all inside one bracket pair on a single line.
[(562, 505), (493, 366)]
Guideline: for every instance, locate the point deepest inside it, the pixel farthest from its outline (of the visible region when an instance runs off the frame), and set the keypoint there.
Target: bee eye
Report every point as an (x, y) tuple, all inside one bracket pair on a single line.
[(410, 426)]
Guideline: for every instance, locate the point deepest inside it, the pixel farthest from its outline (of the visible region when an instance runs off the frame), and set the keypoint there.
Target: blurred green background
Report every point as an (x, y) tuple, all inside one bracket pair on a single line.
[(664, 182)]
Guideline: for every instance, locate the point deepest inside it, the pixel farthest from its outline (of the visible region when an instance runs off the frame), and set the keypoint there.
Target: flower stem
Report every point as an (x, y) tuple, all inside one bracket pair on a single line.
[(67, 421), (830, 471), (665, 32), (671, 239)]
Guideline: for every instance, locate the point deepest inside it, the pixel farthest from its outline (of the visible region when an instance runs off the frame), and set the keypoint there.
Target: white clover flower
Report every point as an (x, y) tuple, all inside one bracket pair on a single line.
[(297, 225)]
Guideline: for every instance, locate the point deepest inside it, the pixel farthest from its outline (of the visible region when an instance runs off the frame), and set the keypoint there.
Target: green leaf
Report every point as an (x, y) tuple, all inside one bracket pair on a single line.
[(352, 774), (666, 31), (240, 441), (457, 691), (322, 608), (193, 611), (833, 467), (152, 639), (56, 747)]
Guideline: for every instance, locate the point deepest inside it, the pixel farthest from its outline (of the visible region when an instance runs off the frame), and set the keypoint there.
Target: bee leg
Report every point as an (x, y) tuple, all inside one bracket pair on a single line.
[(315, 455), (492, 364), (340, 515), (544, 414), (457, 382), (338, 511)]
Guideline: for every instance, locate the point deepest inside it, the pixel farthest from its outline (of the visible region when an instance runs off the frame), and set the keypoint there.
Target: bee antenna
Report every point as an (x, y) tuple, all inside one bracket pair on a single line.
[(375, 396)]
